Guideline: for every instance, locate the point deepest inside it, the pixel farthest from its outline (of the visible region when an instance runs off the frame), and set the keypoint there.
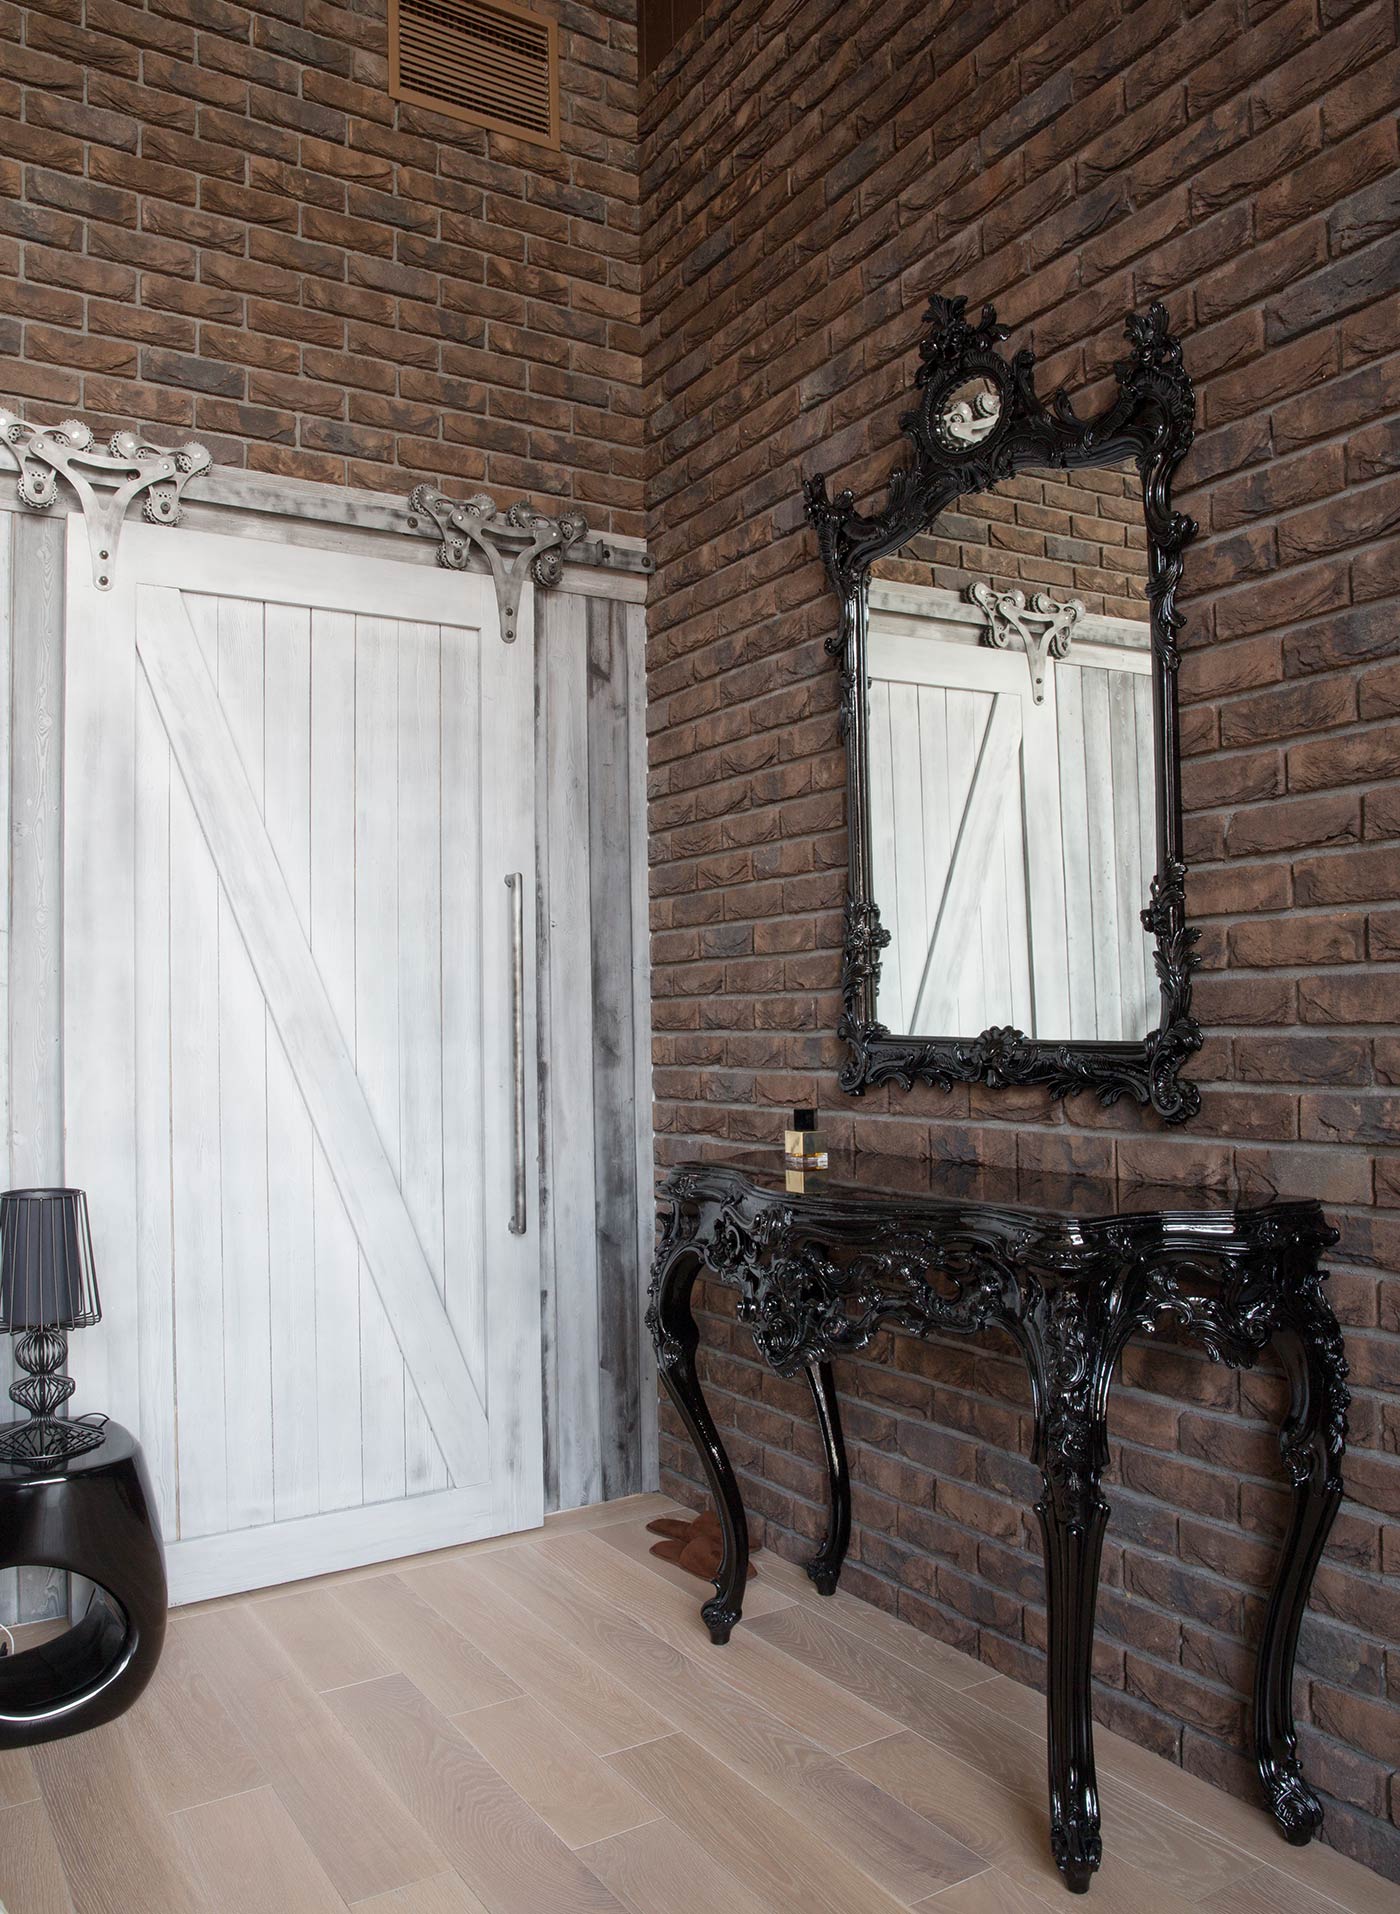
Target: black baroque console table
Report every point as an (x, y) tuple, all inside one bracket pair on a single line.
[(1071, 1271)]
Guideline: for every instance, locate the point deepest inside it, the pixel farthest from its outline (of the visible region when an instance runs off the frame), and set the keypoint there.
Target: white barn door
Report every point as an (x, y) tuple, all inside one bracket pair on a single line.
[(965, 838), (296, 783)]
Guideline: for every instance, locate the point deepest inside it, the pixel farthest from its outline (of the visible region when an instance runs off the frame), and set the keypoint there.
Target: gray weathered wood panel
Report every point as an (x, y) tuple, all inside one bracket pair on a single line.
[(595, 1078), (33, 1032)]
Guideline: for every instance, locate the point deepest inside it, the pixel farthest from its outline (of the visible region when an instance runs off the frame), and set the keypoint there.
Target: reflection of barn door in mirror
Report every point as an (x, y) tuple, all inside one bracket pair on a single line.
[(964, 804), (1109, 812), (295, 784)]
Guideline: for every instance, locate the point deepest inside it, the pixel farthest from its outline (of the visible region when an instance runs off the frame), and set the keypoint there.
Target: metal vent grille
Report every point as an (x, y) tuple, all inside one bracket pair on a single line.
[(484, 61)]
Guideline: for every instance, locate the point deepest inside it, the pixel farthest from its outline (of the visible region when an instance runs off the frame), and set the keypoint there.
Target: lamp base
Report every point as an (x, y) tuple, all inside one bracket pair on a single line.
[(47, 1439)]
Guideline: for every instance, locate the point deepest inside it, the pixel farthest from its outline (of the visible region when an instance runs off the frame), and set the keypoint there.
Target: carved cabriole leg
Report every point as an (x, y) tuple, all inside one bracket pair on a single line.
[(674, 1332), (1309, 1345), (825, 1566), (1070, 1368)]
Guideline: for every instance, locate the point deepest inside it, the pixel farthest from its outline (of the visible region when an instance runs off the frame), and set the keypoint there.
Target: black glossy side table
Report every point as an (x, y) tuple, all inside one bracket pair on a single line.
[(95, 1517), (1071, 1271)]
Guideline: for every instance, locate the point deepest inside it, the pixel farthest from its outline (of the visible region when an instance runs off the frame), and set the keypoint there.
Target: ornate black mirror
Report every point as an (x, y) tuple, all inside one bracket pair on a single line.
[(1009, 707)]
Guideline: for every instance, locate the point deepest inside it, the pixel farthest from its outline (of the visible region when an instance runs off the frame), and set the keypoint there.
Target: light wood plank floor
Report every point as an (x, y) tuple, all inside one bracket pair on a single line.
[(539, 1725)]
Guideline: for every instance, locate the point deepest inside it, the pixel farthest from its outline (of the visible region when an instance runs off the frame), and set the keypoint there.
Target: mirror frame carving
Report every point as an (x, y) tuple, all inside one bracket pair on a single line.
[(1152, 419)]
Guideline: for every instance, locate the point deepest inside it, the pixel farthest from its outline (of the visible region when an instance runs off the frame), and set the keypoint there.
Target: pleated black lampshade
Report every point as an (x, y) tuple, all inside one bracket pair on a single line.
[(47, 1277)]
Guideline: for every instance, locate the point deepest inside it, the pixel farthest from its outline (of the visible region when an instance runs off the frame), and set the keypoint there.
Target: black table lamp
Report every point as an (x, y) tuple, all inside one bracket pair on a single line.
[(47, 1287)]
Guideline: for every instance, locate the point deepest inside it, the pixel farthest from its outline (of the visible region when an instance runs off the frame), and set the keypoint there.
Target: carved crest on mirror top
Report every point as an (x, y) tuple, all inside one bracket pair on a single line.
[(978, 419)]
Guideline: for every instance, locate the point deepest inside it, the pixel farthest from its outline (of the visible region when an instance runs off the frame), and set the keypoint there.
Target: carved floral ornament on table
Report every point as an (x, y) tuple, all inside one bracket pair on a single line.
[(1008, 655)]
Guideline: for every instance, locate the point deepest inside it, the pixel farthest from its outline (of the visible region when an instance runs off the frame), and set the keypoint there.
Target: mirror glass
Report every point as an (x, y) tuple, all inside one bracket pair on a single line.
[(968, 413), (1012, 790)]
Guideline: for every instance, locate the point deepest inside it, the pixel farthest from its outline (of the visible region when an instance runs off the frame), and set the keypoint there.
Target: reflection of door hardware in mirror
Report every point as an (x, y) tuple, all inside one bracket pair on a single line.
[(1010, 619)]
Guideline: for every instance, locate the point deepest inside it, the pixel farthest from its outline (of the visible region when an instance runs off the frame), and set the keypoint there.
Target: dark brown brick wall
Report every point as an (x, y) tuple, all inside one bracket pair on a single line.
[(810, 172), (214, 220), (1077, 534)]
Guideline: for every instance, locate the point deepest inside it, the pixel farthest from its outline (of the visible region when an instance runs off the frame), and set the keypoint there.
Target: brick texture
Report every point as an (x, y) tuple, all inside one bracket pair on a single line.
[(215, 221), (1078, 534), (810, 172)]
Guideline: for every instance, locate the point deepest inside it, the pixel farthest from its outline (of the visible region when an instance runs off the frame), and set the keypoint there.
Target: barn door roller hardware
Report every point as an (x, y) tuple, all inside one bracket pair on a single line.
[(1042, 628), (515, 542), (105, 481)]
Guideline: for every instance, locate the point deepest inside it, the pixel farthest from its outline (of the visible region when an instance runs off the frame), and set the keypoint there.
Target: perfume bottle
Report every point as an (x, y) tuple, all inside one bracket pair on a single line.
[(803, 1147)]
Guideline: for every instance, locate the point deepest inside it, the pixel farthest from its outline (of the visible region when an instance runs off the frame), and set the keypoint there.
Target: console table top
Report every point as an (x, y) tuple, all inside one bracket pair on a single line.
[(915, 1188)]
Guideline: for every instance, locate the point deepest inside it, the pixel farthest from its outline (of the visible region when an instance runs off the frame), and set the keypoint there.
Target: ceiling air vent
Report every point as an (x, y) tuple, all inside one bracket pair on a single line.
[(484, 61)]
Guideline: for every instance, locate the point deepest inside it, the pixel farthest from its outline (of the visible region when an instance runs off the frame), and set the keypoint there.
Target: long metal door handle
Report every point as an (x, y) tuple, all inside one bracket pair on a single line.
[(515, 884)]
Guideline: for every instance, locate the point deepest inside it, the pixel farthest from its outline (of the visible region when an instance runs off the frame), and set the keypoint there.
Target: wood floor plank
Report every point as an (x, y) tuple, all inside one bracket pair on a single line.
[(31, 1872), (504, 1852), (249, 1855), (604, 1713), (1265, 1891), (885, 1631), (641, 1509), (761, 1596), (905, 1852), (564, 1782), (658, 1869), (318, 1633), (990, 1892), (187, 1743), (775, 1856), (802, 1698), (438, 1659), (357, 1829), (1186, 1858), (601, 1654), (444, 1894), (117, 1847), (1244, 1824), (17, 1783), (1004, 1824)]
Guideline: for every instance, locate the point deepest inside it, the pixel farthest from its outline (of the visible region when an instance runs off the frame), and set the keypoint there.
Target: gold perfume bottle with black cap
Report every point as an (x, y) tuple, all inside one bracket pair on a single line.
[(804, 1149)]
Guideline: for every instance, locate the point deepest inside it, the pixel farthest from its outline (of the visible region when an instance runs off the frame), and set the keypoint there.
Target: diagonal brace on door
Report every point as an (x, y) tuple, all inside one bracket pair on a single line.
[(300, 1008)]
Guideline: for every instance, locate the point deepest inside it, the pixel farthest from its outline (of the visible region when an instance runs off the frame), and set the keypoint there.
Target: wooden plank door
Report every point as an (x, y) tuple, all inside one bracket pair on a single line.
[(296, 783), (965, 835)]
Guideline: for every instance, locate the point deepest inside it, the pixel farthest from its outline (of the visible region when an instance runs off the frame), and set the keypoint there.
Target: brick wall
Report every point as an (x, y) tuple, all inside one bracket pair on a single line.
[(810, 173), (1078, 534), (214, 220)]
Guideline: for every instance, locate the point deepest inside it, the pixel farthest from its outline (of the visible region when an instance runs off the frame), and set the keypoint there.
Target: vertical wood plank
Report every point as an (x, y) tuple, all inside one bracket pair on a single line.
[(634, 626), (614, 1071), (9, 1578), (98, 1102), (34, 1030), (243, 1138), (196, 1193), (1147, 836), (463, 1143), (418, 961), (1040, 862), (893, 1008), (155, 1296), (1127, 830), (549, 1339), (34, 1027), (504, 785), (1079, 918), (291, 1214), (333, 725), (377, 1015), (918, 911), (967, 719), (1098, 809), (573, 1361)]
